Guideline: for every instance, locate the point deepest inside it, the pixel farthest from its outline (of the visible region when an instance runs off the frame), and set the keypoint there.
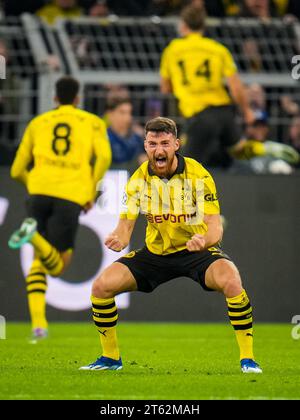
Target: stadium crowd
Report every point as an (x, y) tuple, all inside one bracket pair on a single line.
[(49, 10), (127, 142)]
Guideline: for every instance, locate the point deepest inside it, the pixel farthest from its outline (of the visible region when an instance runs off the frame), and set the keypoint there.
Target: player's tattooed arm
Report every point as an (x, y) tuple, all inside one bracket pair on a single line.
[(120, 237), (212, 237)]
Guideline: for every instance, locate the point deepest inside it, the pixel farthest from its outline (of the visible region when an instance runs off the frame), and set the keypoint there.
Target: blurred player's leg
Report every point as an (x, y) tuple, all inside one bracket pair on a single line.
[(51, 229), (36, 286), (202, 136), (49, 255), (61, 230)]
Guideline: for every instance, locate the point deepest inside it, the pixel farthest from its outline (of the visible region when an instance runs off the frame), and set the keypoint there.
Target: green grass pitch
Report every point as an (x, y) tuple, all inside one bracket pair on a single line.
[(161, 361)]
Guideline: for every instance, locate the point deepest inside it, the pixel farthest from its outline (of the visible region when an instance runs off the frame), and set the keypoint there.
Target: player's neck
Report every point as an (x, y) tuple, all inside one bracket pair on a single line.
[(187, 32), (174, 166), (66, 105)]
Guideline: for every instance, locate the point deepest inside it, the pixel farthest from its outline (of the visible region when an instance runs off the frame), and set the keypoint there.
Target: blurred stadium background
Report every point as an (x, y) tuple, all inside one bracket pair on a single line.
[(114, 50)]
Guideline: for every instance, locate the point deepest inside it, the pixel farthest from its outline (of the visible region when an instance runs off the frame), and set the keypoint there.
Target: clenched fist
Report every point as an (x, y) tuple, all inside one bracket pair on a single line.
[(114, 243), (197, 243)]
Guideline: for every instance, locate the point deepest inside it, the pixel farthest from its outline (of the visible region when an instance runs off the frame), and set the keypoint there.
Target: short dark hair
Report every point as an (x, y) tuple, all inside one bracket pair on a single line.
[(161, 125), (194, 17), (113, 103), (66, 89)]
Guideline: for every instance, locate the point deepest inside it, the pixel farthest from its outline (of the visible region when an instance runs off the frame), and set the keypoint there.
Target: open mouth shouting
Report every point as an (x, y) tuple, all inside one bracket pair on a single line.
[(160, 162)]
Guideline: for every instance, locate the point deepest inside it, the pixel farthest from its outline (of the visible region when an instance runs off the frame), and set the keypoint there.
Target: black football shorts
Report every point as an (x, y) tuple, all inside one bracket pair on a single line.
[(151, 270), (208, 142), (57, 219)]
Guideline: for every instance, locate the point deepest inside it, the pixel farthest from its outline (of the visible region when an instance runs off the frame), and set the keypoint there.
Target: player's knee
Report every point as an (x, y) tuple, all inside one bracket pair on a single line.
[(232, 286), (229, 280), (61, 265), (56, 272), (102, 288)]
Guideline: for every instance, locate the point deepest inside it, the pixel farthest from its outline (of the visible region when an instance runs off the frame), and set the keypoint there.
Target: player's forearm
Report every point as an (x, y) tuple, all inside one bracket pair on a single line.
[(241, 100), (124, 231), (238, 94), (23, 178), (201, 242), (165, 86), (213, 235), (100, 168), (19, 172)]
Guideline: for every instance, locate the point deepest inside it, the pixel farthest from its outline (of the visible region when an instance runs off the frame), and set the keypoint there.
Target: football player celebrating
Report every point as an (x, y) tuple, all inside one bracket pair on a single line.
[(182, 239), (54, 163)]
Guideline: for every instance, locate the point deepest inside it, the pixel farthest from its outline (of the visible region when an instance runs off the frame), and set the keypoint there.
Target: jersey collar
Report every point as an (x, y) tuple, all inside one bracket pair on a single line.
[(194, 35), (66, 106), (180, 166)]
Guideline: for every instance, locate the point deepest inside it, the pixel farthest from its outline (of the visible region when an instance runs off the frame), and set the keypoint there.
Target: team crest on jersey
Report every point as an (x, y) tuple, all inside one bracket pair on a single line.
[(130, 254)]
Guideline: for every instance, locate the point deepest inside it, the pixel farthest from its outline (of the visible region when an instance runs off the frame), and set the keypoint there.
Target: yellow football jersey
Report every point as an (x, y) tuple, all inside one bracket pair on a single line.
[(61, 144), (196, 67), (174, 208)]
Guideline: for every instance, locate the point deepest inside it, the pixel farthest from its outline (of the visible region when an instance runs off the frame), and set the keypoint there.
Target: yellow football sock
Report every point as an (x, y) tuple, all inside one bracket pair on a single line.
[(105, 316), (49, 255), (36, 285), (240, 315)]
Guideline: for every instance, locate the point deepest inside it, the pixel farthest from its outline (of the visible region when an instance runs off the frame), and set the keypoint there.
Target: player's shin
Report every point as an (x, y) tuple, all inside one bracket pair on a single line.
[(240, 315), (36, 285), (105, 317), (49, 255)]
